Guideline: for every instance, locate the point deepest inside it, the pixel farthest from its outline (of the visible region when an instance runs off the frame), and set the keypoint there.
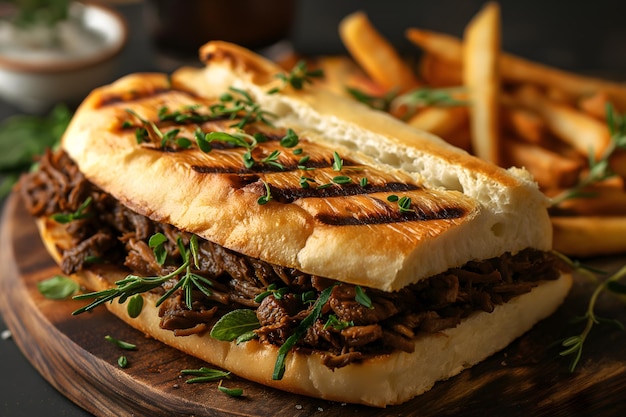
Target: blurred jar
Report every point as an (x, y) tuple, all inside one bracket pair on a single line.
[(180, 27)]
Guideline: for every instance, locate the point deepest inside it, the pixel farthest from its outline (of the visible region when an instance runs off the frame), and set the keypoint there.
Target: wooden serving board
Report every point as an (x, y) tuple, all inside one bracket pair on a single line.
[(527, 378)]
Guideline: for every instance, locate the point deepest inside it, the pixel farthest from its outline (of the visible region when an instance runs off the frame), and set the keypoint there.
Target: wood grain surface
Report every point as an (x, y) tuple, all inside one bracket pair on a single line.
[(528, 378)]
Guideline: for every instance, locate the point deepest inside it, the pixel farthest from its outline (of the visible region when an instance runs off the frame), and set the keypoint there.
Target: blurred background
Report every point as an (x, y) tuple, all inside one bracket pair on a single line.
[(581, 36)]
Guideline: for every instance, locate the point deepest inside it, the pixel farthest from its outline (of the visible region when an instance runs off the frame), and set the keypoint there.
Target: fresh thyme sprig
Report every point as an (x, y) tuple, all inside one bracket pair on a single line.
[(149, 132), (427, 97), (80, 213), (237, 103), (204, 374), (404, 203), (299, 76), (265, 198), (234, 104), (574, 345), (308, 321), (133, 284), (382, 103), (410, 101), (600, 169)]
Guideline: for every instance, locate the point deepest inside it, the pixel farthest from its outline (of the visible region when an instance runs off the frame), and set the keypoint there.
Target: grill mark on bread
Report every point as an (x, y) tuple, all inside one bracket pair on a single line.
[(444, 213), (288, 195), (343, 207)]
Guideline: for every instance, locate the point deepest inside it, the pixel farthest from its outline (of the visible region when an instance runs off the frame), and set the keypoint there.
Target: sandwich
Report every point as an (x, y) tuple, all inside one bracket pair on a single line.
[(292, 236)]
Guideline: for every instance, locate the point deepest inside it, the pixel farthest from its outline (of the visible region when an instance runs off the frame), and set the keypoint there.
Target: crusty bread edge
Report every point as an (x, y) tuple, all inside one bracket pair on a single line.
[(380, 381)]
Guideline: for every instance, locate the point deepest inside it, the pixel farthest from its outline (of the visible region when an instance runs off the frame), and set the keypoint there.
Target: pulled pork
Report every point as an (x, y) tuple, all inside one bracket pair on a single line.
[(347, 331)]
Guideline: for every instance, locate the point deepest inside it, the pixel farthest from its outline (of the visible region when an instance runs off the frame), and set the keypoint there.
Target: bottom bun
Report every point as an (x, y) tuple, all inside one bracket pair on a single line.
[(379, 381)]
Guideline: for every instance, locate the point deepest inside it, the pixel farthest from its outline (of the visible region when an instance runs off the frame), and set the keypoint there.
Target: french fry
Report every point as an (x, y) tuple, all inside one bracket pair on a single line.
[(439, 73), (441, 121), (574, 127), (550, 170), (375, 54), (446, 47), (610, 201), (520, 70), (341, 72), (595, 104), (481, 48), (587, 236), (524, 124)]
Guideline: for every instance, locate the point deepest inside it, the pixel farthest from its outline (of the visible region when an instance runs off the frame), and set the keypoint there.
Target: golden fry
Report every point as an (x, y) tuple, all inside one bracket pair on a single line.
[(609, 201), (520, 70), (574, 127), (550, 170), (375, 54), (524, 124), (587, 236), (438, 73), (341, 72), (446, 47), (481, 48), (440, 121), (595, 105)]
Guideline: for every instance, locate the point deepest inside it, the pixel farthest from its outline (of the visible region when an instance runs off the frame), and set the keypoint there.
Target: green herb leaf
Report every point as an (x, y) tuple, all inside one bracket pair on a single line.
[(404, 204), (58, 287), (246, 337), (122, 361), (298, 77), (308, 321), (80, 213), (342, 179), (290, 139), (337, 324), (362, 298), (119, 343), (376, 102), (204, 374), (157, 244), (427, 97), (134, 306), (134, 284), (337, 162), (264, 199), (272, 158), (24, 137), (235, 324), (574, 345), (233, 392)]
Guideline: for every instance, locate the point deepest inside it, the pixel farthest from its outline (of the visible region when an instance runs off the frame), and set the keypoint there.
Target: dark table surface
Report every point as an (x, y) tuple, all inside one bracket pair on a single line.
[(568, 34)]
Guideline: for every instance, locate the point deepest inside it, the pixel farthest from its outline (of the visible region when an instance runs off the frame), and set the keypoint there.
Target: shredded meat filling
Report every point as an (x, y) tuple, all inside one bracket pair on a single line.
[(347, 331)]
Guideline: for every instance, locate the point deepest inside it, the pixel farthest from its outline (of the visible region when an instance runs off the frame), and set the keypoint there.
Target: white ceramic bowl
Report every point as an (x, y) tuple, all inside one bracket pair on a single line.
[(36, 83)]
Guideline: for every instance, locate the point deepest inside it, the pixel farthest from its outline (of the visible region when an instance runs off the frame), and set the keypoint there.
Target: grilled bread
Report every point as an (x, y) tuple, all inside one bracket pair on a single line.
[(463, 208), (315, 194)]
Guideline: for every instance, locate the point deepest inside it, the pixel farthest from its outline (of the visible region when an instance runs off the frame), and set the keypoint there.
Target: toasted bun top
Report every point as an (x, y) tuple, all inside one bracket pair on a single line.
[(461, 208)]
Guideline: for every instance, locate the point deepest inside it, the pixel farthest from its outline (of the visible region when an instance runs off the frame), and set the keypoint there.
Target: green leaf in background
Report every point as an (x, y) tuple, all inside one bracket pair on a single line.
[(58, 287), (23, 137)]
